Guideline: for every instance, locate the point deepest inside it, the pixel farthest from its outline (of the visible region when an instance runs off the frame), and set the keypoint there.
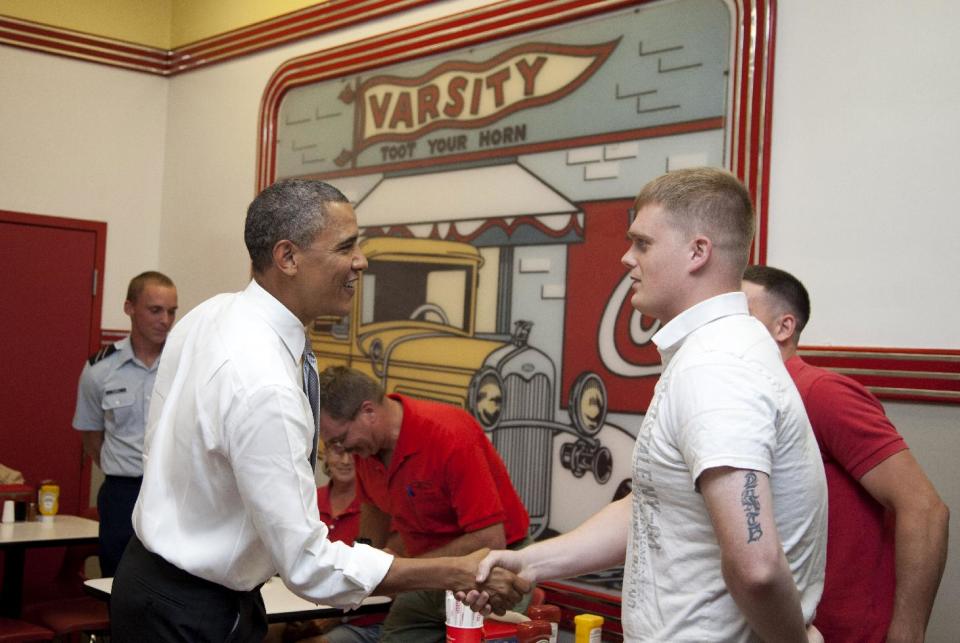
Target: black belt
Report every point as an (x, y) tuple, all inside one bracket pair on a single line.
[(168, 570), (124, 479)]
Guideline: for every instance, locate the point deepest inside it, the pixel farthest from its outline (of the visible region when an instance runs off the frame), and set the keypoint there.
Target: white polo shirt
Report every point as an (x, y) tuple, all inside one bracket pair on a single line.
[(724, 400)]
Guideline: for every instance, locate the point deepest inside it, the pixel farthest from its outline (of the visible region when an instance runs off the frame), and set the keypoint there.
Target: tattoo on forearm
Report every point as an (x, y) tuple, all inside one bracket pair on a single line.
[(751, 507)]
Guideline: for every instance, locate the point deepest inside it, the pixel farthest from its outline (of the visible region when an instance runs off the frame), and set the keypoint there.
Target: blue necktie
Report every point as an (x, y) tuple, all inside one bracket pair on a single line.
[(311, 386)]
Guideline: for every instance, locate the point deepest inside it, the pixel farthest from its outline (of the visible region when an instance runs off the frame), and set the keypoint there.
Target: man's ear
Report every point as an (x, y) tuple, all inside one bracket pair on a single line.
[(701, 248), (784, 327), (128, 308), (285, 256), (367, 411)]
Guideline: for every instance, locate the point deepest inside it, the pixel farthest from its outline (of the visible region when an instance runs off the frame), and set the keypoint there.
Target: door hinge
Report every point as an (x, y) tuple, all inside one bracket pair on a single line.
[(96, 274)]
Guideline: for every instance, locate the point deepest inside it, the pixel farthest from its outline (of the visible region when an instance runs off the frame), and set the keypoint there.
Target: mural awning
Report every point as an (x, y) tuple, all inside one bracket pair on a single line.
[(485, 206)]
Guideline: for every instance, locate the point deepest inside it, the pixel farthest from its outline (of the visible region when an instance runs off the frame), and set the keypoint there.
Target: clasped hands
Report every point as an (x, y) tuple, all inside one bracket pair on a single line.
[(503, 576), (492, 586)]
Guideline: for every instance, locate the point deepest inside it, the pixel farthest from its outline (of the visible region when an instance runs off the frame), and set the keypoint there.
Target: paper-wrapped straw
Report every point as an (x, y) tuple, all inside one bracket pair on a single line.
[(463, 624)]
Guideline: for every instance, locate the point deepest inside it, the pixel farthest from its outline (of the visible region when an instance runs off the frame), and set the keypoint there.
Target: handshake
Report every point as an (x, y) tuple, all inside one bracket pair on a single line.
[(491, 581), (487, 581)]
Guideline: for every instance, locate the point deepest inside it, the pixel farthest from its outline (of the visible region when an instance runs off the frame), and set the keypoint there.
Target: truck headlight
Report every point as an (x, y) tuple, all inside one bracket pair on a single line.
[(486, 398), (376, 357), (588, 403)]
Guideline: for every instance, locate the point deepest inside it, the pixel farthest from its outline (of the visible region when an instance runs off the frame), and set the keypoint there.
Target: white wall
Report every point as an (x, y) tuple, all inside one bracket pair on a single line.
[(86, 141), (211, 156), (863, 206), (933, 433), (862, 182)]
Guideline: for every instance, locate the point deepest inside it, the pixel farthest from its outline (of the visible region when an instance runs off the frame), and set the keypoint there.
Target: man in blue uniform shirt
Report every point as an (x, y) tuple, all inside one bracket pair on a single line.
[(112, 401)]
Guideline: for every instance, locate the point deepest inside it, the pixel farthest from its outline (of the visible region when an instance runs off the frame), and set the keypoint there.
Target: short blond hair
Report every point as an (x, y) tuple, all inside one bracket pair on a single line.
[(706, 200), (138, 283)]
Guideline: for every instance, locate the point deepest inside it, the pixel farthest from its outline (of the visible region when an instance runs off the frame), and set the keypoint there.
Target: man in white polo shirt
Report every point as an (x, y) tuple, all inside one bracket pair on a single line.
[(723, 534)]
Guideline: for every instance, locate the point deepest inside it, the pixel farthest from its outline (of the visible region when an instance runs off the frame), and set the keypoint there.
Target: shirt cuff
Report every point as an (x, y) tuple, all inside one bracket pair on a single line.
[(367, 567)]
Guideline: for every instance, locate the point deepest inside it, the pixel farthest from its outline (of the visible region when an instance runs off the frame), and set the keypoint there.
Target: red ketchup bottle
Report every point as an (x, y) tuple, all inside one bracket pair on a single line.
[(549, 613), (534, 632)]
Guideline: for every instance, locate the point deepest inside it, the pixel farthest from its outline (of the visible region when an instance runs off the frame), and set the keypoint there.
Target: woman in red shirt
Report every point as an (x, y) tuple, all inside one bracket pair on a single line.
[(337, 500)]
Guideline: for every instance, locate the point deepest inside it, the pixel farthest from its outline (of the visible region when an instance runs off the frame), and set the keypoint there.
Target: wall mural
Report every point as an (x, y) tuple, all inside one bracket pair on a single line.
[(493, 187)]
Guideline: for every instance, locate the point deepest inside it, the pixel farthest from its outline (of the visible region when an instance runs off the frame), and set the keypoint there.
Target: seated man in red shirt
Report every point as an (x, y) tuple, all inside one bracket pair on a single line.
[(427, 472), (886, 524)]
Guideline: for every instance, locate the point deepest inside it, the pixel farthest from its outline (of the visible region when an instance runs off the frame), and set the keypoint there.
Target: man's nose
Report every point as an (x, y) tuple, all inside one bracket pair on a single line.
[(359, 262)]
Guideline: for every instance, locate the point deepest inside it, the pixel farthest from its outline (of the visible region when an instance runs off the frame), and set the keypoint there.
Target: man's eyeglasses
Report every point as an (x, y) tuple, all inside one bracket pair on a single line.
[(335, 445)]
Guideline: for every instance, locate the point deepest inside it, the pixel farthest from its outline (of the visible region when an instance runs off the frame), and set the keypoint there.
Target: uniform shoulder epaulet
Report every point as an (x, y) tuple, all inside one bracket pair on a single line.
[(104, 352)]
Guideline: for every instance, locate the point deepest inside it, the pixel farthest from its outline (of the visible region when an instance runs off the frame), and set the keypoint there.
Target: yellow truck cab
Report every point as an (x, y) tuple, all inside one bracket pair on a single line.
[(412, 329)]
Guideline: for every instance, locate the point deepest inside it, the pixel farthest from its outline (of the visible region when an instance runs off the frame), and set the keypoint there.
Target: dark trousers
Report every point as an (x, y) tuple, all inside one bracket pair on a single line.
[(115, 503), (153, 600)]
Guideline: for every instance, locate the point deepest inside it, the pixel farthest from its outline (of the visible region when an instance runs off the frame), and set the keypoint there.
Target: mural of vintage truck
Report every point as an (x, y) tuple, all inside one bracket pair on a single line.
[(493, 187), (493, 184), (413, 329)]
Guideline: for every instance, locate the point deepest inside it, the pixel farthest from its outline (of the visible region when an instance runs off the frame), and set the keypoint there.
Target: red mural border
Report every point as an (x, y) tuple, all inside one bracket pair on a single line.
[(751, 109)]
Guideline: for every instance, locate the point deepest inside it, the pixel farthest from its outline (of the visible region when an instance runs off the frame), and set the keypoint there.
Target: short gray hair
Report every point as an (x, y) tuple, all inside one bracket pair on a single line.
[(343, 391), (291, 209)]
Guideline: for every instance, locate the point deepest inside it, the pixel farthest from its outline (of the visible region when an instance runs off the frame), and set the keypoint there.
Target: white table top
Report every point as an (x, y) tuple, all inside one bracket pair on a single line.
[(280, 602), (62, 529)]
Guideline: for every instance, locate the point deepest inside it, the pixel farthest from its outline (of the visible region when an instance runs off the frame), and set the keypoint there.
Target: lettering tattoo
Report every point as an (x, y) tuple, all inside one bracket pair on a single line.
[(751, 507)]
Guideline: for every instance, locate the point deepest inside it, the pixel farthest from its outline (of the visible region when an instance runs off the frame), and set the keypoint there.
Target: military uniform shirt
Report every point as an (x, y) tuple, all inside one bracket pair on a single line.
[(113, 396)]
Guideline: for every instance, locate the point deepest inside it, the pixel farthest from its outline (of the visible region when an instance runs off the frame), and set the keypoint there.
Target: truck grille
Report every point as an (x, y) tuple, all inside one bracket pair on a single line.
[(528, 452)]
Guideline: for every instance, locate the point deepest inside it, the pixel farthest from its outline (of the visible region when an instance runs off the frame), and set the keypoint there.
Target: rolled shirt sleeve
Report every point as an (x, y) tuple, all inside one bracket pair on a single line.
[(268, 448)]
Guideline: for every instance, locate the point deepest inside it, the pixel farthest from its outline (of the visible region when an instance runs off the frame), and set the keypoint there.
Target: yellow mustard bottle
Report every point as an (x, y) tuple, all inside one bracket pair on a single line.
[(587, 628), (48, 499)]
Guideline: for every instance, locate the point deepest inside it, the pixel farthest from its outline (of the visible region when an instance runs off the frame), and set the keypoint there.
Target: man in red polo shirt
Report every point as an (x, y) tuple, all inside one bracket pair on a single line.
[(886, 524), (430, 484)]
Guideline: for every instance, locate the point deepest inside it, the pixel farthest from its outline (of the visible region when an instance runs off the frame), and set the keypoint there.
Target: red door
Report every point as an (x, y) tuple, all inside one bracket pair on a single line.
[(50, 325)]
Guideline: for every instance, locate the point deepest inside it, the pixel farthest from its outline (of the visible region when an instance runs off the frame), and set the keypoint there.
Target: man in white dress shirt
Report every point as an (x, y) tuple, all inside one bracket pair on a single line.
[(723, 534), (228, 496)]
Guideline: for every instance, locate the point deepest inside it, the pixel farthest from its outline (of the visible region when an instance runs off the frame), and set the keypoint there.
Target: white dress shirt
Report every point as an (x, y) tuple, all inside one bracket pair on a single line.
[(228, 494)]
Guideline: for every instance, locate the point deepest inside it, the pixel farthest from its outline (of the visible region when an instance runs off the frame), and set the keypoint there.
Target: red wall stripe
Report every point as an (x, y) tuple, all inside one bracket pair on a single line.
[(918, 375), (282, 30)]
